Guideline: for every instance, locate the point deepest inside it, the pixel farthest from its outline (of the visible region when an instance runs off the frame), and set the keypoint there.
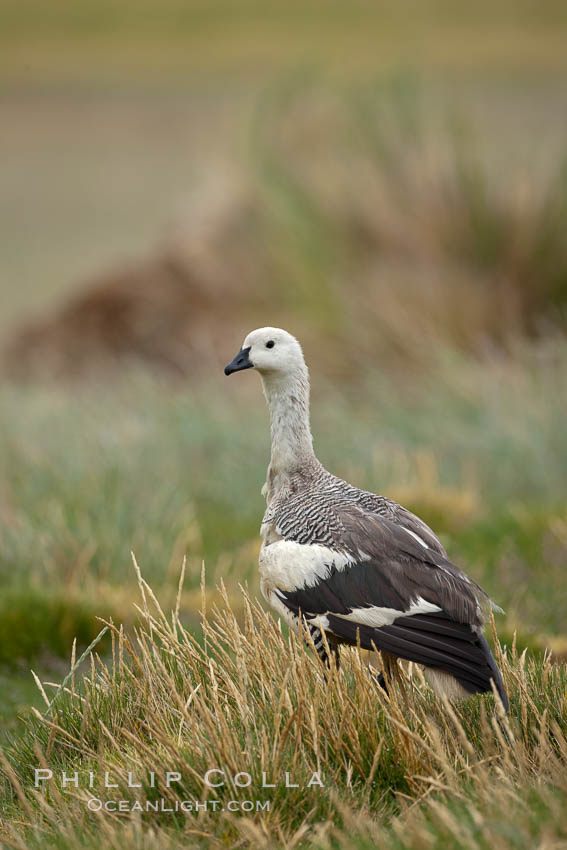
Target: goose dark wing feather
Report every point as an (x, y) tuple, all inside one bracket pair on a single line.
[(361, 585), (463, 653), (415, 525), (411, 568)]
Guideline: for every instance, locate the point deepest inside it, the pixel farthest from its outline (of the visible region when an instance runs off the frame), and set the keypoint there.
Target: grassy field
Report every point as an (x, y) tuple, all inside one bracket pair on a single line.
[(329, 758), (396, 190)]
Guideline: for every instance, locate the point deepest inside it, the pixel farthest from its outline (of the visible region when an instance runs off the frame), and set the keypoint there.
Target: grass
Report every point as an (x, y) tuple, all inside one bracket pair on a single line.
[(402, 771)]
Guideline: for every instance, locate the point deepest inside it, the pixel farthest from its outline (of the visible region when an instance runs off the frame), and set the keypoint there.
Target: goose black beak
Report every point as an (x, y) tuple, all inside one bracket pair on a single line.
[(240, 362)]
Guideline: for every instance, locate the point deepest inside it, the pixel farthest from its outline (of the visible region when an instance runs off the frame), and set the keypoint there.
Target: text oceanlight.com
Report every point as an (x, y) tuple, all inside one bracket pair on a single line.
[(187, 806)]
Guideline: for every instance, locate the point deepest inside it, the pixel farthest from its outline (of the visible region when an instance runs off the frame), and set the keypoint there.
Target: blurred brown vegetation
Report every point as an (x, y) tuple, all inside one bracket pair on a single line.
[(354, 220)]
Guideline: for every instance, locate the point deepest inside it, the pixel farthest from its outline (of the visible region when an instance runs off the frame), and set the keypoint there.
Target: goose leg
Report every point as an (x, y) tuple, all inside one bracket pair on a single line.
[(319, 643), (379, 680)]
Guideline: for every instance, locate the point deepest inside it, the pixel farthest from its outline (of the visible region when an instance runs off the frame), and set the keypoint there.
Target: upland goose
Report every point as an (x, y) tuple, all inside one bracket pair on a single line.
[(355, 565)]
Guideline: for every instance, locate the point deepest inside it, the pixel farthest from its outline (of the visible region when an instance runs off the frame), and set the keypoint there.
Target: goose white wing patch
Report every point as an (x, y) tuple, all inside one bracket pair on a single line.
[(376, 616), (415, 536), (288, 565)]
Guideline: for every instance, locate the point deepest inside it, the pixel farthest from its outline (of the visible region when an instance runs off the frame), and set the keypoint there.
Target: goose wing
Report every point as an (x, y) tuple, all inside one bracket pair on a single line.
[(382, 584)]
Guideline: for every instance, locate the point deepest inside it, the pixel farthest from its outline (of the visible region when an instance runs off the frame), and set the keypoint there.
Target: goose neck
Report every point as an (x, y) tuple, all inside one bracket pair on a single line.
[(288, 402)]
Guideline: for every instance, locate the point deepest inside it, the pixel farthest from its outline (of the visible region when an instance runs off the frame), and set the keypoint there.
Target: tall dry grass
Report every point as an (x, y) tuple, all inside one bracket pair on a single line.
[(403, 770)]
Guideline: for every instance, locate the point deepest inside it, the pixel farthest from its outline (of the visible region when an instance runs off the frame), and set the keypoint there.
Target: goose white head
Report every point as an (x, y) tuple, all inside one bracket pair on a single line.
[(278, 357), (272, 351)]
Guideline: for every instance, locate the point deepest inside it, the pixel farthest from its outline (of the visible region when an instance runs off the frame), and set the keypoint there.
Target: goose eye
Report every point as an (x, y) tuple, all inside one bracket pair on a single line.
[(270, 344)]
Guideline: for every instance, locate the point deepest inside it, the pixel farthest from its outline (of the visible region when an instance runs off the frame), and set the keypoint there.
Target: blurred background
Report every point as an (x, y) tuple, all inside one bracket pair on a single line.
[(386, 181)]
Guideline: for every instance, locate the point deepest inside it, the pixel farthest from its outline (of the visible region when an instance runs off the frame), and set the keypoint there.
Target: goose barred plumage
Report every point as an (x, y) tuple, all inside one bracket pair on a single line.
[(352, 564)]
